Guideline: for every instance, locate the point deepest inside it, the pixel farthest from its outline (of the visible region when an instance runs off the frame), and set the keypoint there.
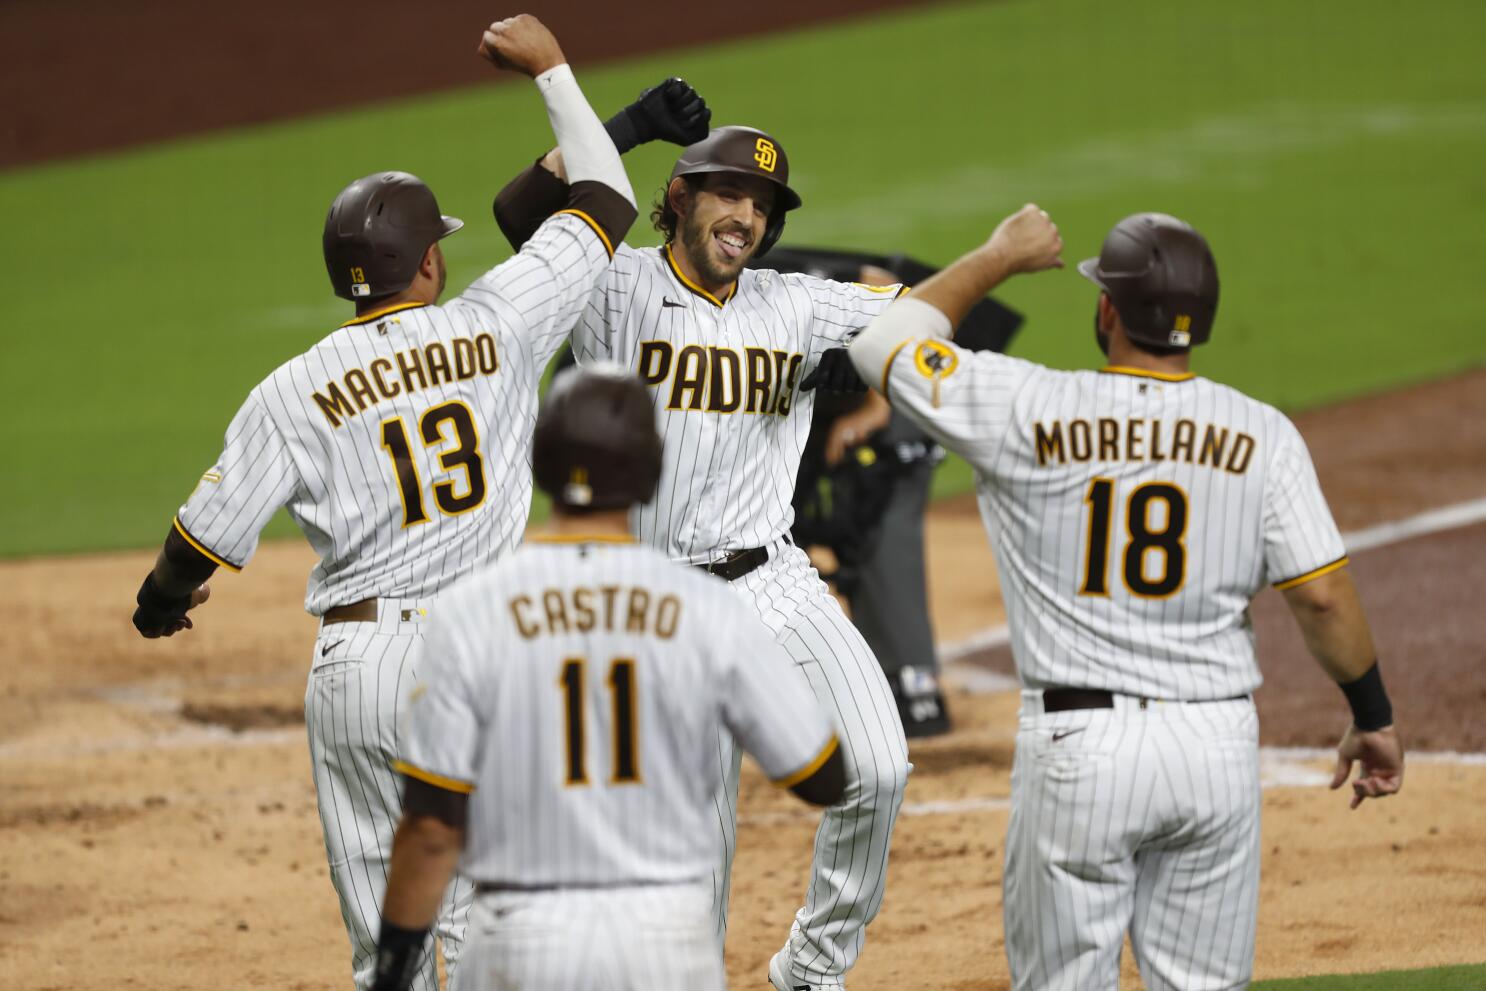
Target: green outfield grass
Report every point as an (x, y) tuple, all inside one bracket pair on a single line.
[(1331, 151), (1469, 978)]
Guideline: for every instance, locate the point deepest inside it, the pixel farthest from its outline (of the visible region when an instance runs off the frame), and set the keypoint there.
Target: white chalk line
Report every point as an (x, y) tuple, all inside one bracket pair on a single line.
[(1279, 767), (974, 679), (977, 680)]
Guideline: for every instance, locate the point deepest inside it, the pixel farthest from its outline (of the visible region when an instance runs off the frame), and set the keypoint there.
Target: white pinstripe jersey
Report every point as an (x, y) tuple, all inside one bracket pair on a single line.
[(576, 688), (724, 374), (400, 443), (1133, 515)]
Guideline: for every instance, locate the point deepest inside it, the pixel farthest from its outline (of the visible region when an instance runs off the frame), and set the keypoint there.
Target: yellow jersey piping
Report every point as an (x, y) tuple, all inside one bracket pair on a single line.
[(395, 307), (217, 558), (791, 780), (1324, 569), (428, 777), (692, 286), (608, 245), (1148, 374)]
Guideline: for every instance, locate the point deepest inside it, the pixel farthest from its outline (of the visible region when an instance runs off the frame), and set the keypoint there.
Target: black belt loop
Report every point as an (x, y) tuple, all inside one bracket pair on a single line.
[(737, 564)]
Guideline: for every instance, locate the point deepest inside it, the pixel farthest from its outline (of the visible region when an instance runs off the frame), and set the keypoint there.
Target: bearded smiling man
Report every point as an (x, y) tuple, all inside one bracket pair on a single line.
[(729, 356)]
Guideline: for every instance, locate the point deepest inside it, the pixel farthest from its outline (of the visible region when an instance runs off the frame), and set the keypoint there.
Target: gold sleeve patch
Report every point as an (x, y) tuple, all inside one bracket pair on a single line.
[(935, 360)]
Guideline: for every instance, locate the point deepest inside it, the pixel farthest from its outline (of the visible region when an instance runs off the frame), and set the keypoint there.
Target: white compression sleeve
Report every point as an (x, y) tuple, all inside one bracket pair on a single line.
[(907, 319), (587, 152)]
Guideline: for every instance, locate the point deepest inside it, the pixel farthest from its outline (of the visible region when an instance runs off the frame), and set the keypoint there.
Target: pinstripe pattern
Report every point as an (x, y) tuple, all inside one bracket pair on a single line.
[(495, 712), (1146, 819), (849, 867), (728, 477), (623, 939), (1143, 817), (726, 484), (355, 705), (625, 862), (1263, 525), (329, 462)]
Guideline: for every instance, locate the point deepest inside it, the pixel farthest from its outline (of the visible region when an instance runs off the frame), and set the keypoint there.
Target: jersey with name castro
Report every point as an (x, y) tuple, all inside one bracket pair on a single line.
[(400, 443), (576, 689), (724, 374), (1133, 515)]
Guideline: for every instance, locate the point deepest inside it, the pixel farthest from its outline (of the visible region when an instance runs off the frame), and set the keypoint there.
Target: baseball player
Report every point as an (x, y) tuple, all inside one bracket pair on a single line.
[(1134, 511), (605, 671), (399, 445), (728, 354)]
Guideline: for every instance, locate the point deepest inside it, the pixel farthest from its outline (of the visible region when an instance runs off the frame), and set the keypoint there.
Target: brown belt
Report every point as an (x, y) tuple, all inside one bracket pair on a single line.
[(737, 564), (1064, 699), (364, 611)]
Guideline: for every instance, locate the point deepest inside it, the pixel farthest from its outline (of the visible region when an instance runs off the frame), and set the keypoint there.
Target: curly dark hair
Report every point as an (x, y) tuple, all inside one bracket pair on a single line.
[(662, 217)]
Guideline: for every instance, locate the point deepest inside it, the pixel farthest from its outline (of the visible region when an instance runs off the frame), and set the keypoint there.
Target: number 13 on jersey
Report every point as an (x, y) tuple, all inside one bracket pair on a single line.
[(1154, 561)]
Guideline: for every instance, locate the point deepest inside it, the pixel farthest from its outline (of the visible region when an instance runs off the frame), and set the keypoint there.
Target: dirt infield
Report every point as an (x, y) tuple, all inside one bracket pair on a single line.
[(158, 826)]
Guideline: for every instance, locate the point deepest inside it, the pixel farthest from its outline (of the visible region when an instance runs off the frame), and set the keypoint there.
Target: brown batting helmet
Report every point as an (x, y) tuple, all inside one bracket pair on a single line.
[(377, 232), (744, 151), (1161, 277), (595, 446)]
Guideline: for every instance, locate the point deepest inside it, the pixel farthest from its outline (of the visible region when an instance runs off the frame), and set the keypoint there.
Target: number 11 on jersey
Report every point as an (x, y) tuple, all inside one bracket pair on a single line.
[(626, 768)]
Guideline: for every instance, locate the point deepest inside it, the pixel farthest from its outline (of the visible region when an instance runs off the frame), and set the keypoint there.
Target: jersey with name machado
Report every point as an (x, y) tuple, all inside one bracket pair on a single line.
[(400, 443)]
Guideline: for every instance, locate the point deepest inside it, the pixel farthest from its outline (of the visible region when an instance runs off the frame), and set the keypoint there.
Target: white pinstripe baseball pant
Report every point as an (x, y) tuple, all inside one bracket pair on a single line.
[(1138, 818), (628, 938), (849, 868), (354, 710)]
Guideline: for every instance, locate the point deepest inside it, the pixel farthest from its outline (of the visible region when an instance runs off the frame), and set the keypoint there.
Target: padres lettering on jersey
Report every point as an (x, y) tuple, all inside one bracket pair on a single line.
[(1133, 514), (576, 690), (725, 375), (399, 443)]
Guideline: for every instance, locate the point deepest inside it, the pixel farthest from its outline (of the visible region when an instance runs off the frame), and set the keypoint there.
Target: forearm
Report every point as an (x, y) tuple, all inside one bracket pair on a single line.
[(588, 153), (957, 288), (425, 853), (181, 569), (1334, 626)]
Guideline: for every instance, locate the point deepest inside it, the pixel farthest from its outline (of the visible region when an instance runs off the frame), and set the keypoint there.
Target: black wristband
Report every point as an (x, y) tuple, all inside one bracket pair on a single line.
[(1371, 709), (155, 607), (623, 131), (399, 952)]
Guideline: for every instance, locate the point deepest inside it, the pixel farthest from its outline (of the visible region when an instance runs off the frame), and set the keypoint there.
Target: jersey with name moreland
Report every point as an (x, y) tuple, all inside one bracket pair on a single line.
[(577, 690), (1133, 515), (724, 375), (399, 443)]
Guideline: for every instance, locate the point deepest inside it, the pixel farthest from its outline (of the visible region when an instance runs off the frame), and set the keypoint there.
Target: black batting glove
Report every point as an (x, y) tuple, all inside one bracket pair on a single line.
[(671, 111), (157, 612), (834, 373)]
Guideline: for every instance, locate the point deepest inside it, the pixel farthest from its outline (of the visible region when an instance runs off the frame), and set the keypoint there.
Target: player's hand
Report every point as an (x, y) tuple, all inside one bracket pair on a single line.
[(521, 44), (671, 111), (835, 373), (157, 617), (1027, 241), (1381, 755), (845, 434)]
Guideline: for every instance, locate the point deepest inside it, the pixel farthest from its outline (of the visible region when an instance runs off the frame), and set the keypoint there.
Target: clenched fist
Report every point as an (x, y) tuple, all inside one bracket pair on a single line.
[(1028, 241), (522, 44)]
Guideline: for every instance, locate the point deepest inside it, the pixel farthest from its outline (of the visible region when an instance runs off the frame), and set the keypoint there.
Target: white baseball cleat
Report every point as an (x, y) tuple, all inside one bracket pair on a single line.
[(780, 977)]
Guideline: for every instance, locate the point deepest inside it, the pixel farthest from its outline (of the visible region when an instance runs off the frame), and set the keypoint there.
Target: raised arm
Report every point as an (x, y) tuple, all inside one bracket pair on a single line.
[(524, 44), (671, 111), (1026, 241)]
